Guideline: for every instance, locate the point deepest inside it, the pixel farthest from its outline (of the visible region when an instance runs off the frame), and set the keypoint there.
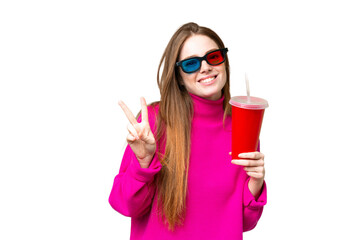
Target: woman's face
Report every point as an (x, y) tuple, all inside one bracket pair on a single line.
[(209, 80)]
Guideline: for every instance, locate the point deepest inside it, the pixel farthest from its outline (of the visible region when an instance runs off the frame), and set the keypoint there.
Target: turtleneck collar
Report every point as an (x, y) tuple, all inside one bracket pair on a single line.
[(209, 109)]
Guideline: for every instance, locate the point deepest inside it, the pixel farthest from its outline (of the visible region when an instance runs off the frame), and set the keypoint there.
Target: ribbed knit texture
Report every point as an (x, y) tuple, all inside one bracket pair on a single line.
[(219, 204)]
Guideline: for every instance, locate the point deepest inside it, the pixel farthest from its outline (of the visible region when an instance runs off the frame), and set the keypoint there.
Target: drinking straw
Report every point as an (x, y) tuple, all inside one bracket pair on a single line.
[(247, 87)]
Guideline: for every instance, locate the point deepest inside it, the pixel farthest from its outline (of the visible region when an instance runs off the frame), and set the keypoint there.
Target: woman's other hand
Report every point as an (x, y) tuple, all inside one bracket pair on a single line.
[(140, 137), (253, 163)]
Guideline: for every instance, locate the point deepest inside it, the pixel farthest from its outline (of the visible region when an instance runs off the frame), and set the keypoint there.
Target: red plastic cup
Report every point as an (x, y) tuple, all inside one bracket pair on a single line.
[(247, 117)]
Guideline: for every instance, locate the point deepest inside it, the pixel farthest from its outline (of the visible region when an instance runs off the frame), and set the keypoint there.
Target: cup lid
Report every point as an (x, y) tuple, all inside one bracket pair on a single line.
[(249, 103)]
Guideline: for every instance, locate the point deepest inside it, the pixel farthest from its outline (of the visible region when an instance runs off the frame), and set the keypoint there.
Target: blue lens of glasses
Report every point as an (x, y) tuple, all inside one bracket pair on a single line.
[(191, 65)]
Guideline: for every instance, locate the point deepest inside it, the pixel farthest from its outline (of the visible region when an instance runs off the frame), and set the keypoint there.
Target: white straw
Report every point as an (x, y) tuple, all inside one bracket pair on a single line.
[(247, 87)]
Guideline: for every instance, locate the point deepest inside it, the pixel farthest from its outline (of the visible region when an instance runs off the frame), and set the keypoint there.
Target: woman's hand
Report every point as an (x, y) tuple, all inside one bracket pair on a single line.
[(253, 163), (140, 138)]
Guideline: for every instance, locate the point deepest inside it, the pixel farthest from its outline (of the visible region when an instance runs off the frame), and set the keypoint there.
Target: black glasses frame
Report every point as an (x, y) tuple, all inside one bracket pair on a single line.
[(222, 50)]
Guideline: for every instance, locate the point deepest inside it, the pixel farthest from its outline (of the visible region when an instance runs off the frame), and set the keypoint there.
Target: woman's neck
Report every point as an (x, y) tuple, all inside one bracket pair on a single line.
[(211, 110)]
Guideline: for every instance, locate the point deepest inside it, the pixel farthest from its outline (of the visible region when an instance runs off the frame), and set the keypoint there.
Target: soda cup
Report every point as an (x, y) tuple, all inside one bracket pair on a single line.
[(247, 116)]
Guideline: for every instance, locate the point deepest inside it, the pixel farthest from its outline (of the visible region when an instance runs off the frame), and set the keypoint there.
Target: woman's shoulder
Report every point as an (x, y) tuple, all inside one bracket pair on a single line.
[(154, 106), (153, 110)]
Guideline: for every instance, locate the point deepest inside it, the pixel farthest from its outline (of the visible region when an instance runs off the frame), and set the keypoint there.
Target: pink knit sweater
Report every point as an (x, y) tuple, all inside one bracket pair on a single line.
[(219, 204)]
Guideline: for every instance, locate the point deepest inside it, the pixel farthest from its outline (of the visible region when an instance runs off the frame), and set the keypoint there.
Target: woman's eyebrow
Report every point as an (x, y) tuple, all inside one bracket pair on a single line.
[(212, 49)]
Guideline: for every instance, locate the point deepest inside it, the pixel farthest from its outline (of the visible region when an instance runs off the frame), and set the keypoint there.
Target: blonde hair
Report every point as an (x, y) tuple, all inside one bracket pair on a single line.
[(174, 125)]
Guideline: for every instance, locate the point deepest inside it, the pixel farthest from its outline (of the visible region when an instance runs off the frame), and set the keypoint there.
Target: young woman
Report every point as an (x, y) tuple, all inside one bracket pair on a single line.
[(177, 179)]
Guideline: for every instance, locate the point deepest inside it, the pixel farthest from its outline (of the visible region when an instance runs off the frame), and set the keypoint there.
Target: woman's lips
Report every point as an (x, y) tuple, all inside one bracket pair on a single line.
[(207, 80)]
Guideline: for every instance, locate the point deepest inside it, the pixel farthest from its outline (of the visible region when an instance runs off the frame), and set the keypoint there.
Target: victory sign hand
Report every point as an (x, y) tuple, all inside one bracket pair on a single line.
[(140, 138)]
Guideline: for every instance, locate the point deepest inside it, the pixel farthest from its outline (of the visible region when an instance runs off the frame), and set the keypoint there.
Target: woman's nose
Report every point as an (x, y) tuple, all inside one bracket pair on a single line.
[(205, 67)]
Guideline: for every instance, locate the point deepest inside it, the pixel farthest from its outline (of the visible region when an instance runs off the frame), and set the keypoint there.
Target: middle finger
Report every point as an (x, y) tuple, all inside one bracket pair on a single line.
[(130, 116)]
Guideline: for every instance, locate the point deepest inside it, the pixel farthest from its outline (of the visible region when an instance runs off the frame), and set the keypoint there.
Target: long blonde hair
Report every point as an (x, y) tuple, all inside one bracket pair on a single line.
[(174, 125)]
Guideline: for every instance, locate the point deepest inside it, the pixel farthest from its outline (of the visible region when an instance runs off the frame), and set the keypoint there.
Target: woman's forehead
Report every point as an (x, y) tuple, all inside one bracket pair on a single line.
[(197, 46)]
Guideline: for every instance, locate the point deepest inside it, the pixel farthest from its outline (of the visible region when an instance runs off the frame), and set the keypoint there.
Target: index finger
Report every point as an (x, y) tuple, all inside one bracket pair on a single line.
[(248, 163), (127, 112), (252, 155), (144, 110)]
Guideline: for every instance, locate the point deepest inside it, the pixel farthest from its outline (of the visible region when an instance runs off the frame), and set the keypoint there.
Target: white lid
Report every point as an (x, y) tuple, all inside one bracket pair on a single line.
[(249, 102)]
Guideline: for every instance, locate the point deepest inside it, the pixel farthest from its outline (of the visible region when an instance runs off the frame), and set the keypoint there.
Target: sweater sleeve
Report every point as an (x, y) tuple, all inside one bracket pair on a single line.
[(134, 188), (253, 207)]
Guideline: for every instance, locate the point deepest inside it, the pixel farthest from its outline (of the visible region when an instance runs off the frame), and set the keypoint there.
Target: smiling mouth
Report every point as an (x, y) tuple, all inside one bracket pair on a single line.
[(207, 80)]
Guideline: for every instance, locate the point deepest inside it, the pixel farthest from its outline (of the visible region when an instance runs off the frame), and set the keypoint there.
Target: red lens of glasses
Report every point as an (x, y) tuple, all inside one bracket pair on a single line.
[(215, 58)]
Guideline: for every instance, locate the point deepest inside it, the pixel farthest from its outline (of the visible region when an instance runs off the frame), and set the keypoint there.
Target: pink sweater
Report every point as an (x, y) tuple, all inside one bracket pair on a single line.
[(219, 203)]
